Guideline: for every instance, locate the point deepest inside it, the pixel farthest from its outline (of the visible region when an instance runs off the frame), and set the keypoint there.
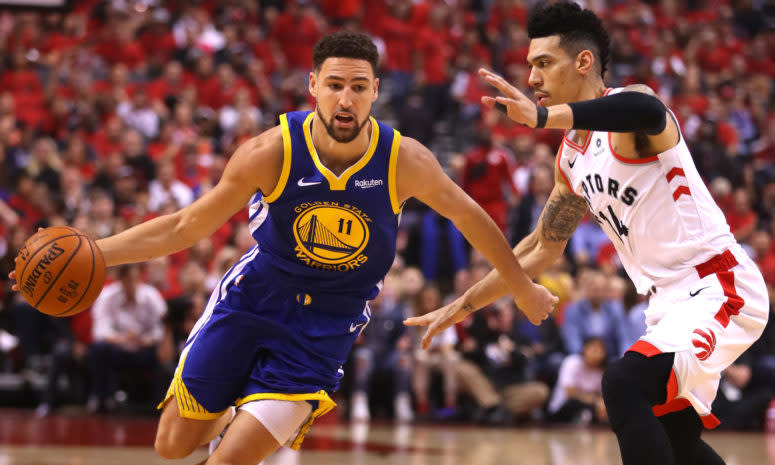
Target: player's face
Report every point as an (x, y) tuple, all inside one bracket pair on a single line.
[(344, 89), (553, 74)]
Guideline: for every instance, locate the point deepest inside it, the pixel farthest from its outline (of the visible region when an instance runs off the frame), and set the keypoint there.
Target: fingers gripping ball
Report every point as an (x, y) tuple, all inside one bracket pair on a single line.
[(60, 271)]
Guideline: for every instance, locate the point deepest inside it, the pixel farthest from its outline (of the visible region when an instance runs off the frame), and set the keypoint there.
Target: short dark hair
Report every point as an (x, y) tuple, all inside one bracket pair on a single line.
[(345, 44), (578, 29)]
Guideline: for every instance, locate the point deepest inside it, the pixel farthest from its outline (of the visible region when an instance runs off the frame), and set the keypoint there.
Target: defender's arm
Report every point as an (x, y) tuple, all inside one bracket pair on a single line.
[(542, 247)]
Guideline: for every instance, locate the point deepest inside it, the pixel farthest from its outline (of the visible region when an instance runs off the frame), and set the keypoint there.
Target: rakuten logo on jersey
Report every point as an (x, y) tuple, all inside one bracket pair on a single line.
[(367, 183)]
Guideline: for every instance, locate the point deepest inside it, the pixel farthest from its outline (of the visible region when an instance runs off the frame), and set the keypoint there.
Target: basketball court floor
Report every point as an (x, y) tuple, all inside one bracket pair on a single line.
[(109, 440)]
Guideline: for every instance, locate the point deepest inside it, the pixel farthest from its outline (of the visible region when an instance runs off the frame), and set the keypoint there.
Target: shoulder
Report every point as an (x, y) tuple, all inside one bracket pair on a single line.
[(642, 88), (269, 141), (572, 362), (412, 151), (264, 150)]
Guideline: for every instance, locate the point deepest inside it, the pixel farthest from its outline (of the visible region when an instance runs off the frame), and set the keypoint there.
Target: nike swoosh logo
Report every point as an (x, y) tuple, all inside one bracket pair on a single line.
[(692, 294), (354, 326), (571, 163), (303, 183)]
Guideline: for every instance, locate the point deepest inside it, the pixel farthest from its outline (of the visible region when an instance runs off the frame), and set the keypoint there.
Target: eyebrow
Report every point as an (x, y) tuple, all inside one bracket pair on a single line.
[(339, 78), (543, 55)]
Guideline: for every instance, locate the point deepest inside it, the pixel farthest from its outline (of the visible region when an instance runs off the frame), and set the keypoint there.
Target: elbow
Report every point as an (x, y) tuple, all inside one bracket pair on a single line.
[(654, 113), (181, 228)]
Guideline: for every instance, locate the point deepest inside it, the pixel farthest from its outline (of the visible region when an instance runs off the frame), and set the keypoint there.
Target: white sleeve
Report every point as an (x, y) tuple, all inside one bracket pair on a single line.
[(102, 315), (158, 308), (568, 372)]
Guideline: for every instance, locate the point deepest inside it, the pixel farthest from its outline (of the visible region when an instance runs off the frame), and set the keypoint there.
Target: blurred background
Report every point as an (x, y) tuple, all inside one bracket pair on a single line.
[(114, 112)]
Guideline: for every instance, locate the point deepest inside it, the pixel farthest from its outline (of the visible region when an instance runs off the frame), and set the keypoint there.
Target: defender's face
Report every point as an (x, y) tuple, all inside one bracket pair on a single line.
[(345, 89), (552, 71)]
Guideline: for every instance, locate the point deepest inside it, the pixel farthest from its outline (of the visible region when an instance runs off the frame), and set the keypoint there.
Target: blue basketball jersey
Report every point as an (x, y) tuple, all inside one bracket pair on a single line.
[(281, 322), (324, 233)]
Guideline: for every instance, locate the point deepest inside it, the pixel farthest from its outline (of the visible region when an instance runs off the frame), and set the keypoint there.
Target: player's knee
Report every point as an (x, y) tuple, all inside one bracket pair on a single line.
[(172, 446)]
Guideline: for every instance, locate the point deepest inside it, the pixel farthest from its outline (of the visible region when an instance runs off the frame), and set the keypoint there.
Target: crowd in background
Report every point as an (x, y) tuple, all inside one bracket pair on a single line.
[(119, 111)]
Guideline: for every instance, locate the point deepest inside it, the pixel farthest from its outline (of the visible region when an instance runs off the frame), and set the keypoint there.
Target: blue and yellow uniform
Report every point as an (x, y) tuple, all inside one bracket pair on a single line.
[(283, 319)]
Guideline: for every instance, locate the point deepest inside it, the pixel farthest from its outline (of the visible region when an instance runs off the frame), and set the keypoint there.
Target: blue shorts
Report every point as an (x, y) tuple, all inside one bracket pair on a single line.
[(261, 339)]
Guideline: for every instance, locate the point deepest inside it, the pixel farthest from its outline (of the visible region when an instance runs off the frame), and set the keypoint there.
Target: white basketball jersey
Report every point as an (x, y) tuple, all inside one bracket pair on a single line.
[(657, 211)]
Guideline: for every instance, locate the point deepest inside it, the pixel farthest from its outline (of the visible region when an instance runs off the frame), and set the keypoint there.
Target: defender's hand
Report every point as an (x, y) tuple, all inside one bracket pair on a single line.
[(518, 106), (12, 274), (12, 277), (441, 319), (537, 304)]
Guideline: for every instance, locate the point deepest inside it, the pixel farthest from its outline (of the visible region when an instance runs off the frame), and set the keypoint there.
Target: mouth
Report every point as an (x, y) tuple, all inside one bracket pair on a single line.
[(344, 120), (541, 97)]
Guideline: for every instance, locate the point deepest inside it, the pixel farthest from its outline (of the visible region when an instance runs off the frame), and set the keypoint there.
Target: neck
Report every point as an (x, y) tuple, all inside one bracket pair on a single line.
[(331, 151)]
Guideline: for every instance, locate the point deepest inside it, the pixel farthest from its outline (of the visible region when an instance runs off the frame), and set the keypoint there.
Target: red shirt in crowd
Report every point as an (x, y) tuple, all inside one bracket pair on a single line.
[(436, 51), (398, 35), (296, 36), (112, 51), (486, 172)]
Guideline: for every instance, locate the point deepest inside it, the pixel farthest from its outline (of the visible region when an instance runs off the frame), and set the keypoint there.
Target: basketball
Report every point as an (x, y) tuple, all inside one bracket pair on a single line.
[(60, 271)]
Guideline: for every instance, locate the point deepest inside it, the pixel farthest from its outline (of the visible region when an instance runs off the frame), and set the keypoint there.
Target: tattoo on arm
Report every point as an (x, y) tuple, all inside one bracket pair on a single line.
[(468, 308), (562, 215)]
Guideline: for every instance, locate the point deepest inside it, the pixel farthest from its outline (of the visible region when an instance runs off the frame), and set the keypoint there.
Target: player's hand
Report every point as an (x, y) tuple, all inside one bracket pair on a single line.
[(12, 277), (441, 319), (518, 106), (537, 303), (12, 274)]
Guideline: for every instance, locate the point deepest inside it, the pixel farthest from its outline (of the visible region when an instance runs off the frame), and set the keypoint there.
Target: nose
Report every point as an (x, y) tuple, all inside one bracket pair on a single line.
[(345, 98), (534, 79)]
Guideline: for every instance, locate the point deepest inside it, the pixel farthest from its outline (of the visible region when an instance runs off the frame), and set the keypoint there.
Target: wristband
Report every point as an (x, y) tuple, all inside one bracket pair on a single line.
[(543, 115)]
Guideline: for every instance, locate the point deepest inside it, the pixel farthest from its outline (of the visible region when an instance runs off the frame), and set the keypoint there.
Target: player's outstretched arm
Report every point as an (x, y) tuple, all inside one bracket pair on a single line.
[(419, 175), (636, 110), (255, 165), (560, 218)]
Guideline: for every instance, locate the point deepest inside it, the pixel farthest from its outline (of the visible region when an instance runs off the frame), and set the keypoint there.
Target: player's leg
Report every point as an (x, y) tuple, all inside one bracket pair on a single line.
[(259, 429), (631, 386), (177, 437), (684, 428)]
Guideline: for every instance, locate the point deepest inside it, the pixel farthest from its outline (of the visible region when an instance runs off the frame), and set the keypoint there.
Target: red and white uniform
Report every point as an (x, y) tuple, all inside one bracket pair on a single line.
[(709, 301)]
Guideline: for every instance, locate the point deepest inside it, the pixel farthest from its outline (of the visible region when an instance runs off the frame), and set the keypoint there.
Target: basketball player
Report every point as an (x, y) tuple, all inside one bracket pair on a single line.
[(325, 190), (624, 160)]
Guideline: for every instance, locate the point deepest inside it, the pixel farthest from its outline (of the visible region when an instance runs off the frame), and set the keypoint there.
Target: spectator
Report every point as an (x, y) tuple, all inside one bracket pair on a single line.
[(127, 331), (741, 217), (139, 115), (578, 396), (595, 316), (440, 356), (743, 395), (532, 204), (383, 350), (495, 346), (487, 177), (167, 189)]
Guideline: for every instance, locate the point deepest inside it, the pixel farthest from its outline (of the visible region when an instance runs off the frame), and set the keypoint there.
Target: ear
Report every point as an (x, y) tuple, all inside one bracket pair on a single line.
[(584, 62), (375, 90), (312, 81)]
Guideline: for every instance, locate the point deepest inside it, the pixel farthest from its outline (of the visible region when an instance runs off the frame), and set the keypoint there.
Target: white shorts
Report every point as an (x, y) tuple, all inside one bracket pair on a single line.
[(708, 320), (283, 418)]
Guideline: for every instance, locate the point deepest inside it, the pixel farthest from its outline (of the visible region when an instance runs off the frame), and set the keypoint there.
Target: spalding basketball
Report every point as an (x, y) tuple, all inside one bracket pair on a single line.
[(60, 271)]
